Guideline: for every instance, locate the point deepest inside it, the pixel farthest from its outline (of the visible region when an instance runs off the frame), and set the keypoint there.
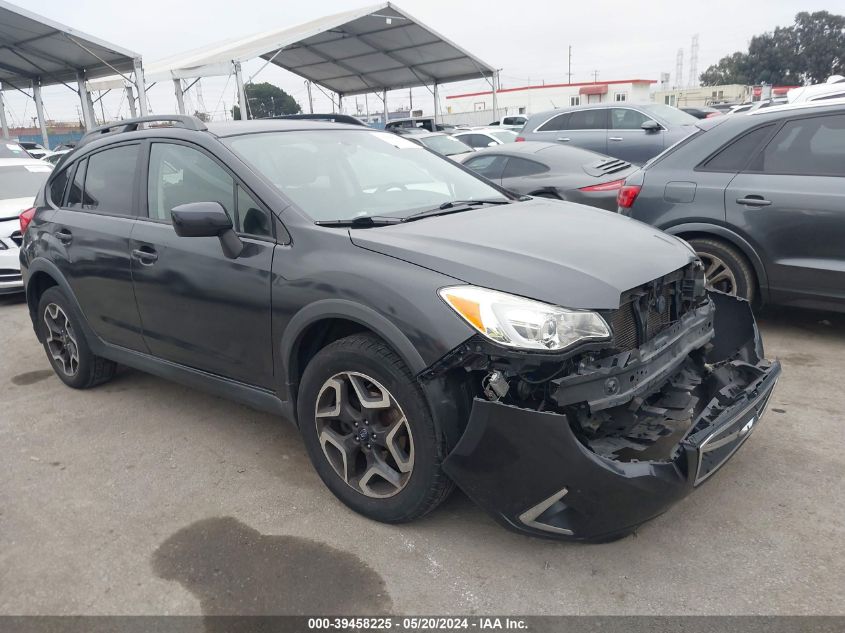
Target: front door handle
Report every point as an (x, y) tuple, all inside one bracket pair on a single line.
[(146, 256), (564, 140), (64, 236), (753, 201), (615, 138)]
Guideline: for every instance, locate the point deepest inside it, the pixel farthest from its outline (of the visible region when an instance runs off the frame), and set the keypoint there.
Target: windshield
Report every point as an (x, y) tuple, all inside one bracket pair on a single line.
[(670, 114), (344, 174), (446, 145), (11, 149), (506, 136), (22, 181)]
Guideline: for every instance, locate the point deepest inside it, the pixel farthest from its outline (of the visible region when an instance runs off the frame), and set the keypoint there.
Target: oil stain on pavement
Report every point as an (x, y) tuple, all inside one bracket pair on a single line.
[(233, 569), (31, 377)]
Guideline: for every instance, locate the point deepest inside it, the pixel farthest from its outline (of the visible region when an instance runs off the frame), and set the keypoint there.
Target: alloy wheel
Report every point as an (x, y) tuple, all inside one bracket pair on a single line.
[(61, 339), (364, 434), (717, 274)]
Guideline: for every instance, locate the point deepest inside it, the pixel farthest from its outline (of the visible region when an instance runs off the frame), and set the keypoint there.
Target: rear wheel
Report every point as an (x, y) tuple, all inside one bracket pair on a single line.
[(725, 268), (369, 432), (66, 347)]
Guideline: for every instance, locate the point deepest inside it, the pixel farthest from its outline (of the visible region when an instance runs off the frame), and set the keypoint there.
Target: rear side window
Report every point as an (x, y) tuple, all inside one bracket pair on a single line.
[(560, 122), (74, 196), (110, 180), (588, 120), (520, 167), (737, 153), (806, 147), (489, 166), (58, 186)]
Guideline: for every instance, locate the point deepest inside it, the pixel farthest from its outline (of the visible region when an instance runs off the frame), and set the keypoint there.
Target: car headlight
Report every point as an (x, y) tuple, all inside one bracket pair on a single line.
[(523, 323)]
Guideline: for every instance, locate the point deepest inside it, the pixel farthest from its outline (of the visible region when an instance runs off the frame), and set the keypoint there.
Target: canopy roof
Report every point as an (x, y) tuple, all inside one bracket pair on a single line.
[(32, 46), (375, 48)]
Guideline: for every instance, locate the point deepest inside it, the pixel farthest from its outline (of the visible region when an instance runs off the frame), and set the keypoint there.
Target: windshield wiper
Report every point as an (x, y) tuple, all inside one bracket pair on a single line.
[(453, 206), (362, 221)]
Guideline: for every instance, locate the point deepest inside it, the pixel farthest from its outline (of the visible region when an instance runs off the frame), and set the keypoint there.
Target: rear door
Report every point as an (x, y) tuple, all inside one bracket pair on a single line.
[(790, 201), (198, 307), (626, 139), (581, 128), (91, 247)]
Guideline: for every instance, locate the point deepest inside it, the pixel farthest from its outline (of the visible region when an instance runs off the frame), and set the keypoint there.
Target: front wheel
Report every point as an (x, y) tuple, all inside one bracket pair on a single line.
[(369, 432), (725, 268)]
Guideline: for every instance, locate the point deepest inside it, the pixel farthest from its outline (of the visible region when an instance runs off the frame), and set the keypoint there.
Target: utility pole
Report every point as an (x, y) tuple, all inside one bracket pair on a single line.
[(569, 70), (595, 76)]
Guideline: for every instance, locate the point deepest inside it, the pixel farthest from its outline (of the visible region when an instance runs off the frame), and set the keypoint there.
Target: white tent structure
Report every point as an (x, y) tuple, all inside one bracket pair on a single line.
[(37, 52), (369, 50)]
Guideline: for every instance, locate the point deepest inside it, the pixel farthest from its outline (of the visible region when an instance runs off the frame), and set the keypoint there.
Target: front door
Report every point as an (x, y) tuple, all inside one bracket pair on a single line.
[(198, 307), (790, 201), (91, 230), (626, 139)]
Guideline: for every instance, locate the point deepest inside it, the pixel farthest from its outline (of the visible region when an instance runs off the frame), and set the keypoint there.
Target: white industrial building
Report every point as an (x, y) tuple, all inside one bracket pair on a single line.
[(464, 108)]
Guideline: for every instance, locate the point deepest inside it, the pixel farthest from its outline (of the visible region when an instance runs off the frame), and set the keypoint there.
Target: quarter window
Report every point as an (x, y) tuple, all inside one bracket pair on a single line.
[(110, 180), (736, 155), (807, 147), (58, 186), (74, 196), (490, 166), (520, 167)]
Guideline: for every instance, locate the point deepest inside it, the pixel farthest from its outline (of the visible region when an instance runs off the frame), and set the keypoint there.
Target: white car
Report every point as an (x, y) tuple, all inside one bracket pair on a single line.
[(513, 122), (833, 88), (479, 138), (54, 157), (20, 181)]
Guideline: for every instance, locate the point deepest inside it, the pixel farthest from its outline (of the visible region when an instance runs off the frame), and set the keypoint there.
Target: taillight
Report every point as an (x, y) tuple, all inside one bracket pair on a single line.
[(613, 185), (626, 196), (26, 218), (520, 139), (710, 115)]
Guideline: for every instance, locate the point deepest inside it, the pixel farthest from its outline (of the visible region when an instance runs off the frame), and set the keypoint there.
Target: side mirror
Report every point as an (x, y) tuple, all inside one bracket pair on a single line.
[(651, 126), (492, 144), (207, 219)]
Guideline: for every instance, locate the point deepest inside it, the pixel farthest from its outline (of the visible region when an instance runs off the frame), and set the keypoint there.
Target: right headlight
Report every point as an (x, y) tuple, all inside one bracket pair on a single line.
[(524, 323)]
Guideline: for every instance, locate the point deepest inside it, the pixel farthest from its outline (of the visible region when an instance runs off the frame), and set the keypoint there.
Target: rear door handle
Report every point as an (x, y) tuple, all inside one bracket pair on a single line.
[(753, 201), (615, 138), (64, 236), (564, 140), (147, 257)]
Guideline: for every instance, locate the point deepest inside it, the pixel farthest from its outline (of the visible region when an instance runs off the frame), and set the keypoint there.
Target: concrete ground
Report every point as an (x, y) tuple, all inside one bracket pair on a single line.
[(145, 497)]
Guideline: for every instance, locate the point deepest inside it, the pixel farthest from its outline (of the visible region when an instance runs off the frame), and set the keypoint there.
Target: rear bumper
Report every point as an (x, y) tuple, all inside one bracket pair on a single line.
[(529, 470), (10, 268)]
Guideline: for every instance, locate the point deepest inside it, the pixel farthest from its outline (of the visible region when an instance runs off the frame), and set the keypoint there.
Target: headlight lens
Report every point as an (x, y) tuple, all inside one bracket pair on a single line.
[(523, 323)]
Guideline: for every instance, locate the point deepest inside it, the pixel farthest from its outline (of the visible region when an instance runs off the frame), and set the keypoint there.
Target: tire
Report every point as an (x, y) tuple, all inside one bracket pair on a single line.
[(728, 266), (68, 352), (364, 364)]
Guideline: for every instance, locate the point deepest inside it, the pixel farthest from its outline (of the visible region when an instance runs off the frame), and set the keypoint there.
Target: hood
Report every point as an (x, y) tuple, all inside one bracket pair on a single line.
[(13, 207), (559, 252)]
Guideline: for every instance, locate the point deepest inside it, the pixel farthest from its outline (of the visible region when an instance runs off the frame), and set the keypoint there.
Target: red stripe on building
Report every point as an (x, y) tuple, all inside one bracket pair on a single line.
[(584, 83)]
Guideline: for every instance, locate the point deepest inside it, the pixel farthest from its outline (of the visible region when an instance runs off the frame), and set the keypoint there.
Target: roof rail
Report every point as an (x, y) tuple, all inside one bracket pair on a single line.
[(130, 125)]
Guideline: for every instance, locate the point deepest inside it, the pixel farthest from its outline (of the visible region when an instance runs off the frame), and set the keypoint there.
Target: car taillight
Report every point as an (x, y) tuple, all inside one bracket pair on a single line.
[(613, 185), (520, 139), (710, 115), (26, 218), (626, 196)]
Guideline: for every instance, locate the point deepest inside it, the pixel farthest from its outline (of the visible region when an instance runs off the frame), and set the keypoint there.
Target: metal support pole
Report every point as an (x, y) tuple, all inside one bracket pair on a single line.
[(339, 103), (140, 85), (180, 95), (130, 98), (4, 124), (310, 101), (495, 88), (39, 110), (87, 110), (239, 79), (384, 99), (436, 106)]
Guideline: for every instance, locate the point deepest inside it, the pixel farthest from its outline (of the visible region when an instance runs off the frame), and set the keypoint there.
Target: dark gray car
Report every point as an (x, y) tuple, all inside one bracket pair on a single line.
[(553, 171), (761, 198), (632, 132)]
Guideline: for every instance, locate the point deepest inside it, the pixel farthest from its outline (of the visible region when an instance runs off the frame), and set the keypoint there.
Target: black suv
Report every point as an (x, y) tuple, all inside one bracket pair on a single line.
[(564, 366)]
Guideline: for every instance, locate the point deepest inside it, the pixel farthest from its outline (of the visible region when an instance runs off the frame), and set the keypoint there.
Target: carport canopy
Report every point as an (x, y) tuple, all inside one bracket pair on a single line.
[(369, 50), (37, 52)]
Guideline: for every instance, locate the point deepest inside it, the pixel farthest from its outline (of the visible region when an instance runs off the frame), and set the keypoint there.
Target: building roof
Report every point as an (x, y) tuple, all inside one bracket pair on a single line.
[(542, 86), (375, 48), (34, 47)]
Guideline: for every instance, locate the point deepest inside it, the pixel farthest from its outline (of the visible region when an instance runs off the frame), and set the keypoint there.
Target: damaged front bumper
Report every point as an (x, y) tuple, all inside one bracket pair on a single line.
[(631, 434)]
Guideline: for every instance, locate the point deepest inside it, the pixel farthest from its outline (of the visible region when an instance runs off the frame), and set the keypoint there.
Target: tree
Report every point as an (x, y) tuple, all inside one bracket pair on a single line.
[(809, 51), (266, 100)]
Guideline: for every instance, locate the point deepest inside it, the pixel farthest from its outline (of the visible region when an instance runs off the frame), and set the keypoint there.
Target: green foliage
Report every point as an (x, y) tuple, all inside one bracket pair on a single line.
[(809, 51), (266, 100)]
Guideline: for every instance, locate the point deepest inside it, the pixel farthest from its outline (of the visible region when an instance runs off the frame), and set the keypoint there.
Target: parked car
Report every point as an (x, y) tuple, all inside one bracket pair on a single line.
[(421, 325), (36, 150), (442, 143), (332, 117), (54, 157), (514, 122), (760, 199), (632, 132), (549, 170), (12, 149), (478, 138), (702, 112), (20, 180), (833, 88), (425, 123)]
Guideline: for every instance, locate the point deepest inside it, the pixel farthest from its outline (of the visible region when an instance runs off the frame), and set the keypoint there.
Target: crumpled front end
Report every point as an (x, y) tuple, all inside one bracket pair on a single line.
[(610, 439)]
